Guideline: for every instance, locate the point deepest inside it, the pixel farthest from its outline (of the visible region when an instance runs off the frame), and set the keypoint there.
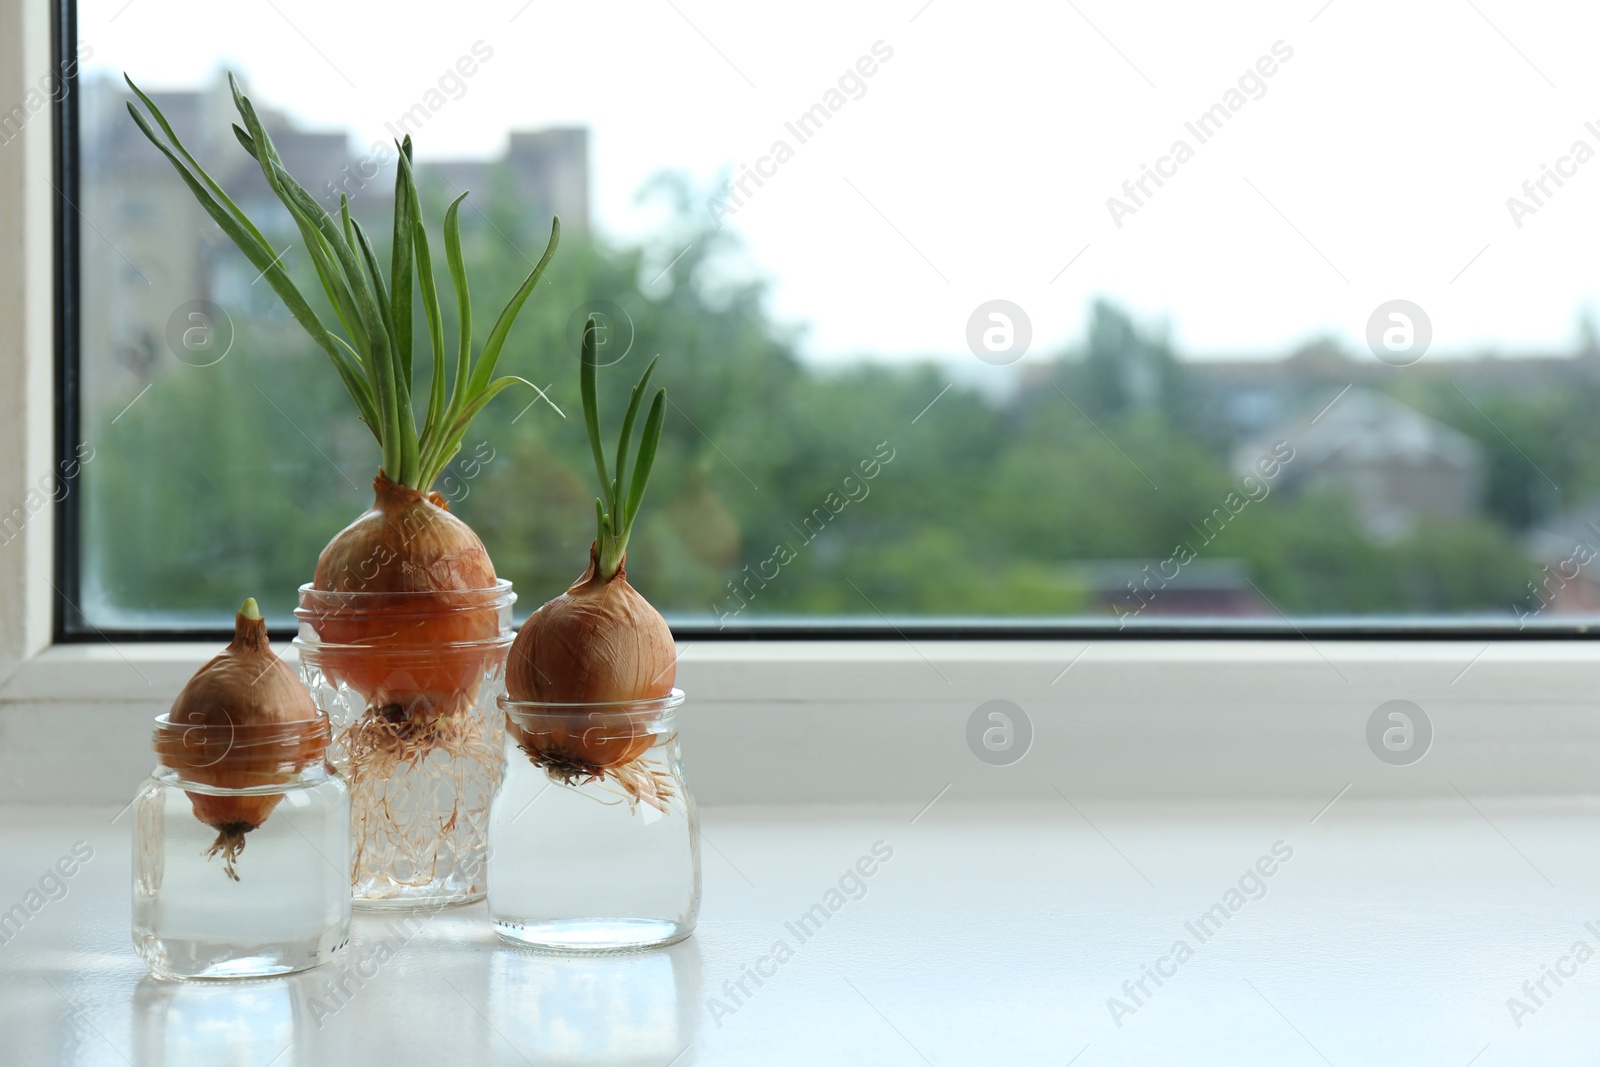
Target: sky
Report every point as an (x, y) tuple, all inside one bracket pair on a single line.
[(976, 161)]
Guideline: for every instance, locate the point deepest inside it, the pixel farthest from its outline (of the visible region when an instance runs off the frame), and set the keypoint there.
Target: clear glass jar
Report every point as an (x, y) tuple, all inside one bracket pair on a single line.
[(593, 835), (410, 681), (247, 879)]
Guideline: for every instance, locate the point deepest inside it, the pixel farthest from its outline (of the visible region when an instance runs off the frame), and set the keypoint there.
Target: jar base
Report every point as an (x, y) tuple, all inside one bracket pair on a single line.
[(592, 936), (419, 902), (182, 959)]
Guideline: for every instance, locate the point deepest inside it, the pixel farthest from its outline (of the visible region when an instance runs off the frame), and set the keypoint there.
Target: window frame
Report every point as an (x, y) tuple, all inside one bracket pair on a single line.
[(878, 675), (67, 620), (70, 626)]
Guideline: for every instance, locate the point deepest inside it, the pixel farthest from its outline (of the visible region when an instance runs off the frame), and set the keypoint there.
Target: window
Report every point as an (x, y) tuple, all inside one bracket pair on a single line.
[(1012, 320)]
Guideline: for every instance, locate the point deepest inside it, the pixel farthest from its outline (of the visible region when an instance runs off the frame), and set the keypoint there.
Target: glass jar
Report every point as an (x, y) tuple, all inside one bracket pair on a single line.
[(241, 851), (593, 835), (410, 682)]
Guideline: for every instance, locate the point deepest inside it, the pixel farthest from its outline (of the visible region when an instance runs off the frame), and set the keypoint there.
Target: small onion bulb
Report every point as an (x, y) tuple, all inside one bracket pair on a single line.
[(243, 721), (600, 642)]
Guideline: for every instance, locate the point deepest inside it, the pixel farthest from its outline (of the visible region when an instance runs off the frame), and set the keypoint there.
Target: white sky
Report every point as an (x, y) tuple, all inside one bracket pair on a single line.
[(992, 139)]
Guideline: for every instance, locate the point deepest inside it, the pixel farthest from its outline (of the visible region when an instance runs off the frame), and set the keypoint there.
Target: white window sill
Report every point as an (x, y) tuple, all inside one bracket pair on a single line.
[(845, 722), (1393, 934)]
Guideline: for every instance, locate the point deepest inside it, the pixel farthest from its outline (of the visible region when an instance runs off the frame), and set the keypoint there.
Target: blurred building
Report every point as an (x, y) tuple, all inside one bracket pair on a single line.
[(1394, 463), (1249, 395), (1567, 548), (149, 250), (546, 171)]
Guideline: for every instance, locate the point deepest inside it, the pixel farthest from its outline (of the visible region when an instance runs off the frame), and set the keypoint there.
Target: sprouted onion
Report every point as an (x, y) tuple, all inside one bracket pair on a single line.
[(600, 642), (243, 722), (407, 543)]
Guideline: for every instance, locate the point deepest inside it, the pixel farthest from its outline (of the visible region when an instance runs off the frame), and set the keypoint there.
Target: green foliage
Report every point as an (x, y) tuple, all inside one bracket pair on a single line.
[(373, 355), (207, 490), (761, 504)]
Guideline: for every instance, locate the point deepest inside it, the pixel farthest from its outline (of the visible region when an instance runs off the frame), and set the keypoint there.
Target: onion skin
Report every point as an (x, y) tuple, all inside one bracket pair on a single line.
[(600, 642), (409, 545), (407, 542), (220, 732)]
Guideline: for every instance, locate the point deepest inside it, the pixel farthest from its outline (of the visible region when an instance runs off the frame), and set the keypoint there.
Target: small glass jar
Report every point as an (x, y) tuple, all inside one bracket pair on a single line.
[(241, 852), (410, 682), (594, 840)]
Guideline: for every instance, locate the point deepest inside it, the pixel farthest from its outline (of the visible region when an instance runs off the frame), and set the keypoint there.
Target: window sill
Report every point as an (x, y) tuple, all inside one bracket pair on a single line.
[(1045, 910), (847, 722)]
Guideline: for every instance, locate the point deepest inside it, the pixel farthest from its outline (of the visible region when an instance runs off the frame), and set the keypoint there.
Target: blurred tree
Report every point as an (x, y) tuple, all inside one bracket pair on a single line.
[(226, 481)]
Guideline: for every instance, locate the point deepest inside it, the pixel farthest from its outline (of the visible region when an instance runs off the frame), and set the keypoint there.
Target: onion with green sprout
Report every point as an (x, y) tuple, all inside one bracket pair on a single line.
[(600, 642), (408, 544)]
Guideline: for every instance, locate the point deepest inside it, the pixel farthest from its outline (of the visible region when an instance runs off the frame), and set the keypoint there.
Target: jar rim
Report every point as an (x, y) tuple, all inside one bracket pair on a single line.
[(497, 595), (319, 720), (311, 646), (252, 749), (248, 735), (354, 614), (666, 705)]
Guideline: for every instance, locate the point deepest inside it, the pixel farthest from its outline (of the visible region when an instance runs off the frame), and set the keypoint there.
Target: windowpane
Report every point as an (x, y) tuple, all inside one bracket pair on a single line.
[(1011, 312)]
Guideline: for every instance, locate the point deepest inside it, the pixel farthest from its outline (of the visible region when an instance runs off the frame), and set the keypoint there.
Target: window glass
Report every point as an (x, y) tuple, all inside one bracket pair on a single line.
[(1022, 311)]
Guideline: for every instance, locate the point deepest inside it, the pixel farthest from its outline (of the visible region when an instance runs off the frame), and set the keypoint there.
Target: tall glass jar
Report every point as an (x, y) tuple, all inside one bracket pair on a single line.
[(593, 834), (247, 880), (410, 681)]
